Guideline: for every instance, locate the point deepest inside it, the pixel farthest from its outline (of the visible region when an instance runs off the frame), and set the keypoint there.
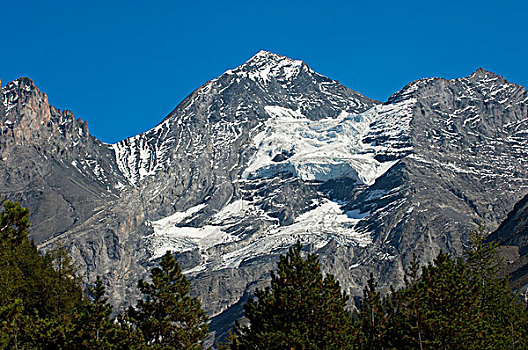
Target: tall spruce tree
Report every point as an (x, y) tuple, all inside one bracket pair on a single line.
[(374, 319), (302, 309), (96, 330), (168, 317), (438, 310), (458, 304), (40, 303), (95, 322), (503, 322)]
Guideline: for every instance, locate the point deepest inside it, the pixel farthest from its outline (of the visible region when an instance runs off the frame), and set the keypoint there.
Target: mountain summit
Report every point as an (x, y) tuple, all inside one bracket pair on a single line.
[(265, 66), (268, 154)]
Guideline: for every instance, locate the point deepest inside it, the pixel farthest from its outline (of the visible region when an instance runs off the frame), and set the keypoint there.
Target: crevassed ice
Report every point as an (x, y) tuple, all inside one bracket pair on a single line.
[(319, 150)]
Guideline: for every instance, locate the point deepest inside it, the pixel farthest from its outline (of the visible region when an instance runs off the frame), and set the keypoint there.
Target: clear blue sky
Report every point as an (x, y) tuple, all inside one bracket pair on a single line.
[(124, 65)]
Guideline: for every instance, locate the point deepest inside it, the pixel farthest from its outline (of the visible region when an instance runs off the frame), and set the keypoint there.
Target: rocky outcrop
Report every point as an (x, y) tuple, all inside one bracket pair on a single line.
[(512, 237)]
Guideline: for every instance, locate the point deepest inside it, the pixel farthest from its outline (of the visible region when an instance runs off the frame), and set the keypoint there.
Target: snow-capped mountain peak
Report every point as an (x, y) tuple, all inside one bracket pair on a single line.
[(265, 66), (482, 73), (233, 107)]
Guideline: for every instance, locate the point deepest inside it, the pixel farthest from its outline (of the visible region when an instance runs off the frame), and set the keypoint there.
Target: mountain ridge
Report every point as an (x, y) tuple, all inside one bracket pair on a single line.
[(249, 163)]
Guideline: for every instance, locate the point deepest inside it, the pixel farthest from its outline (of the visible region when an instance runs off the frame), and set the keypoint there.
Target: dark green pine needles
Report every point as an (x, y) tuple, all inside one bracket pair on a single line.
[(42, 304), (168, 317), (448, 304), (302, 309)]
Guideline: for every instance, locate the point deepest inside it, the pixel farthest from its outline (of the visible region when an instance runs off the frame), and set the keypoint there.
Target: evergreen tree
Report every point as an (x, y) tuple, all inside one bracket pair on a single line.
[(42, 305), (38, 302), (11, 322), (373, 319), (168, 317), (126, 335), (502, 315), (458, 304), (98, 331), (438, 311), (300, 310)]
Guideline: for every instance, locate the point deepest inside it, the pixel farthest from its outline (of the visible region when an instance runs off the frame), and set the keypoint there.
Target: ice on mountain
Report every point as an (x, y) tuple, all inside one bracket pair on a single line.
[(326, 222), (320, 150), (319, 226)]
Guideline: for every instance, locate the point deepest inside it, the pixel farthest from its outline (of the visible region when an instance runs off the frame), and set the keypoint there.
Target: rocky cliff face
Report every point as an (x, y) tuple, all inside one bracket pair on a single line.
[(71, 183), (512, 236), (51, 163), (267, 154)]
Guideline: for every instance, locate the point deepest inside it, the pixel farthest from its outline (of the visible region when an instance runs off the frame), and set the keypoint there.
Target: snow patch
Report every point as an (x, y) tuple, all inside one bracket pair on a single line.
[(169, 236), (321, 150), (318, 226)]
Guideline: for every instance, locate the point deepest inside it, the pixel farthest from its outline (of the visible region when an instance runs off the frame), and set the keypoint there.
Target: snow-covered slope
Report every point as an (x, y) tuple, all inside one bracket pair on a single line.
[(313, 151), (225, 107)]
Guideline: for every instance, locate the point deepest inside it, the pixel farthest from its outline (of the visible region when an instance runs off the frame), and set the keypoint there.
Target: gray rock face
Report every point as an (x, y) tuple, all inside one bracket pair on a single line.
[(50, 162), (267, 154), (514, 230), (512, 236), (467, 166), (72, 185)]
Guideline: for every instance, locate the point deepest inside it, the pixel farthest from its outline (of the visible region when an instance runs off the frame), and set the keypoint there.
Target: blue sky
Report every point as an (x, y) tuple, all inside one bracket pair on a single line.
[(124, 65)]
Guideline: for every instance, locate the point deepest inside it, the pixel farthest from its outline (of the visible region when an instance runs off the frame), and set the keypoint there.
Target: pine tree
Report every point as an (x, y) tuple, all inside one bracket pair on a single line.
[(374, 318), (301, 309), (441, 306), (98, 331), (458, 304), (126, 335), (40, 302), (168, 317), (14, 222), (501, 314), (95, 323), (11, 322)]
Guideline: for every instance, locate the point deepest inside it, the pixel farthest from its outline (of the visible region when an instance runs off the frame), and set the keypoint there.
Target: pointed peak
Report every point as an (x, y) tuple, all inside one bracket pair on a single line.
[(267, 54), (483, 74), (481, 70), (24, 83), (265, 58), (265, 66)]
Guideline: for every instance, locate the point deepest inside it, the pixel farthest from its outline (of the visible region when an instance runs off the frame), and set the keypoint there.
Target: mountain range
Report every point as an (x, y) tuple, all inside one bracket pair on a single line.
[(268, 154)]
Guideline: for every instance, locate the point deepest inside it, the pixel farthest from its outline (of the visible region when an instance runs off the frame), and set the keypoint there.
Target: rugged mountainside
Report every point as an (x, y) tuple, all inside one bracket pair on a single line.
[(512, 235), (267, 154), (71, 183)]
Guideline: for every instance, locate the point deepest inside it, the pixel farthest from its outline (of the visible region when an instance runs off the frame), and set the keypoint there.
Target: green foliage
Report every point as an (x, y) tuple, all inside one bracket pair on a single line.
[(42, 305), (48, 286), (438, 310), (37, 300), (97, 330), (300, 310), (11, 321), (448, 304), (373, 319), (14, 222), (503, 319), (168, 317), (126, 335), (95, 322)]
